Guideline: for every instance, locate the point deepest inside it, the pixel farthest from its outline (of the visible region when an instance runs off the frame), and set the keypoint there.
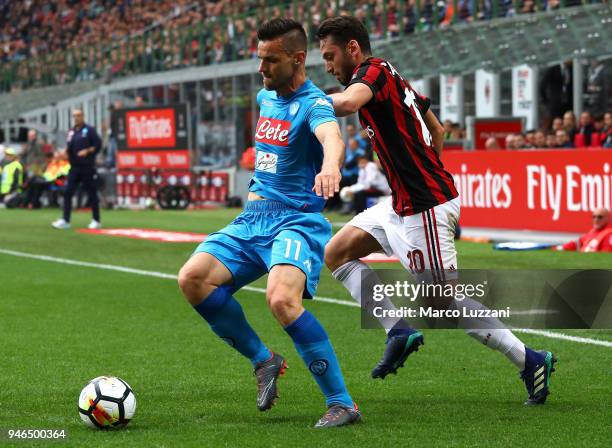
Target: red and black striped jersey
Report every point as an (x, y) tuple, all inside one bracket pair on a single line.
[(394, 122)]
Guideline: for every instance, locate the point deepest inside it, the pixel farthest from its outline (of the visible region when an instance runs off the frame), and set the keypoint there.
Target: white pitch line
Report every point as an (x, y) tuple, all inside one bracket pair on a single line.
[(112, 267), (565, 337)]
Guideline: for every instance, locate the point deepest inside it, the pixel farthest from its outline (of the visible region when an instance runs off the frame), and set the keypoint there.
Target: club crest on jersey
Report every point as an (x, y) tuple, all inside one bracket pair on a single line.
[(266, 161), (272, 131), (294, 108)]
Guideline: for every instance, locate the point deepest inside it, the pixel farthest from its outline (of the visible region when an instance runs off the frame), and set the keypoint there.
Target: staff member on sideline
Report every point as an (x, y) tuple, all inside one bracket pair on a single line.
[(598, 239), (83, 143)]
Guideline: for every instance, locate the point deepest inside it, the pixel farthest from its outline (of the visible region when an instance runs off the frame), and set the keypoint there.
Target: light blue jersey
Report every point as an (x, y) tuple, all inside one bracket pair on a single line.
[(287, 227), (288, 154)]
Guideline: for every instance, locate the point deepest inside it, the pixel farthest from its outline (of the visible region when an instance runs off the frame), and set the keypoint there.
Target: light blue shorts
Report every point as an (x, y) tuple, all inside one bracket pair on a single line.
[(268, 233)]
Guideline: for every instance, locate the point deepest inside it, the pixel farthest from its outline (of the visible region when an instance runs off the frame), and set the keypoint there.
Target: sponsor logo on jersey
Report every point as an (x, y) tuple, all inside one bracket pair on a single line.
[(266, 102), (272, 131), (322, 102), (266, 161)]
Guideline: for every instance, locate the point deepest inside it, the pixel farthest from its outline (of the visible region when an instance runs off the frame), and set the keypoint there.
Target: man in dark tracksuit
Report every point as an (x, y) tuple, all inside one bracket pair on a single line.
[(82, 145)]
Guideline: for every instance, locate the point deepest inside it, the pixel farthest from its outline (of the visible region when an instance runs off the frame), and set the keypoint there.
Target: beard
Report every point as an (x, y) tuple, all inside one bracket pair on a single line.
[(346, 73)]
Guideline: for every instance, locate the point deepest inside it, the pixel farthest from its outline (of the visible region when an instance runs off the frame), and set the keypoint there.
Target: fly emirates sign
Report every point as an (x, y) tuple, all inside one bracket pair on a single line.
[(539, 190)]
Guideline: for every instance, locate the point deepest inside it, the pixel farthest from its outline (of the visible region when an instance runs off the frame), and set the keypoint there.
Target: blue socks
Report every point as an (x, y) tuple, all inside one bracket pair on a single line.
[(225, 317), (313, 345)]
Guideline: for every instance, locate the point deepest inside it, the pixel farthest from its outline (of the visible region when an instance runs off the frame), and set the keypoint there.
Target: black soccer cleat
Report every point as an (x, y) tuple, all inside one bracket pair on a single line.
[(267, 372), (398, 348), (339, 415), (539, 366)]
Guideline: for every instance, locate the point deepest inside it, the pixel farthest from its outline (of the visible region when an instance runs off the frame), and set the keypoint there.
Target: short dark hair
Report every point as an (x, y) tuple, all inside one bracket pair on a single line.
[(294, 36), (344, 29)]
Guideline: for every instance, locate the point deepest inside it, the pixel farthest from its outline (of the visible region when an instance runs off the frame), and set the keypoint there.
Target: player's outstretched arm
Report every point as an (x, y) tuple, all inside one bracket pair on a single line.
[(327, 182), (436, 130), (352, 99)]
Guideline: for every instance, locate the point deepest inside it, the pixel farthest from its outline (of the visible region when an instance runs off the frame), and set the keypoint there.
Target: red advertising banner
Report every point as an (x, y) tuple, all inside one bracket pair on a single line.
[(153, 137), (178, 159), (150, 128), (498, 128), (550, 190)]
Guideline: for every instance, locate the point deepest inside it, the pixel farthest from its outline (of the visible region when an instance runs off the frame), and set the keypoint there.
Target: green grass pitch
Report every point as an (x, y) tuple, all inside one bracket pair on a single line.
[(61, 325)]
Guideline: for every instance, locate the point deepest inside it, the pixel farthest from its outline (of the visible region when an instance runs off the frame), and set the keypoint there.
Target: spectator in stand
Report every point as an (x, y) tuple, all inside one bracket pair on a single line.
[(557, 124), (371, 183), (607, 131), (492, 143), (351, 132), (509, 141), (55, 175), (520, 142), (598, 135), (598, 88), (551, 141), (350, 171), (598, 239), (448, 128), (607, 122), (556, 90), (539, 139), (33, 158), (582, 138), (569, 124), (530, 138), (562, 139), (456, 132)]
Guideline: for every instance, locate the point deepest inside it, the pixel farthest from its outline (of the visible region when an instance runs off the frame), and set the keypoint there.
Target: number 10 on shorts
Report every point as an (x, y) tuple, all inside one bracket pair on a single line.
[(290, 244)]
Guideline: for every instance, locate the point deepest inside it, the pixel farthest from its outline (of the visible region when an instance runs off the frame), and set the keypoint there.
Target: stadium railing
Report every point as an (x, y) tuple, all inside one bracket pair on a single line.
[(228, 38)]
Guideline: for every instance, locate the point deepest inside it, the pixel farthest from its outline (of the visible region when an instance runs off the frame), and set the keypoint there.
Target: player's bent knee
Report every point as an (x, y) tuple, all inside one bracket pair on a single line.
[(193, 284), (282, 304), (336, 254)]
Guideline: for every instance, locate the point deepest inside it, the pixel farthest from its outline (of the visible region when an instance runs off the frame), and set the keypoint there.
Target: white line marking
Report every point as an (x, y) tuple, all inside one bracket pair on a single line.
[(111, 267), (565, 337)]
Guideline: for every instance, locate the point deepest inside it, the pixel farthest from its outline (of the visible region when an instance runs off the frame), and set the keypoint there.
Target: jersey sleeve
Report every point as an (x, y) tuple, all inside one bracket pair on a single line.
[(321, 111), (374, 77), (422, 102)]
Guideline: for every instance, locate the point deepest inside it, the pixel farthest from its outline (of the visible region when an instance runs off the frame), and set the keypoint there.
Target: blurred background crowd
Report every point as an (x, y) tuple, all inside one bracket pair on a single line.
[(45, 43)]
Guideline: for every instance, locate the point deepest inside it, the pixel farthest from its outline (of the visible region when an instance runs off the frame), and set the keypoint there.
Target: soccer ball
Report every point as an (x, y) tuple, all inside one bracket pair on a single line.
[(107, 402), (346, 195)]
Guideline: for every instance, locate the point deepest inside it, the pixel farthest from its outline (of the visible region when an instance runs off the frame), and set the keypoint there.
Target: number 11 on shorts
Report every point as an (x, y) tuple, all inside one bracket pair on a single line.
[(298, 245)]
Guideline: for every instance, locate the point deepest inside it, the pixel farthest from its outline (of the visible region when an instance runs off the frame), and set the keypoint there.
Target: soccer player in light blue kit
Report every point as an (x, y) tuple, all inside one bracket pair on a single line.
[(281, 231)]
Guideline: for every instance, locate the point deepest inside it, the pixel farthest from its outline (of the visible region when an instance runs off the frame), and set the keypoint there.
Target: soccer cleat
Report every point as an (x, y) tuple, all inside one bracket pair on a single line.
[(399, 347), (93, 225), (60, 224), (339, 415), (267, 372), (538, 368)]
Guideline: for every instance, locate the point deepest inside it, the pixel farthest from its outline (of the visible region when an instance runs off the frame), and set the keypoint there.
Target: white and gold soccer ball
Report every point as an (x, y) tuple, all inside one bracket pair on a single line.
[(107, 402)]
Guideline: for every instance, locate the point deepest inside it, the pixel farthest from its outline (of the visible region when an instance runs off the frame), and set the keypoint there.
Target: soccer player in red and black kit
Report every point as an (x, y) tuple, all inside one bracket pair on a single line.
[(418, 222)]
